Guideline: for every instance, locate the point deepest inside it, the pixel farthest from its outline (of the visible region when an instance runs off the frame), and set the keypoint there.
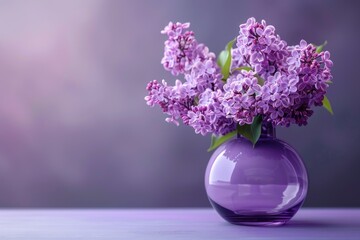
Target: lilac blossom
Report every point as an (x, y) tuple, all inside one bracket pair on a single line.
[(180, 47), (313, 70), (183, 55), (175, 101), (239, 98), (283, 85), (208, 116), (260, 48), (279, 99)]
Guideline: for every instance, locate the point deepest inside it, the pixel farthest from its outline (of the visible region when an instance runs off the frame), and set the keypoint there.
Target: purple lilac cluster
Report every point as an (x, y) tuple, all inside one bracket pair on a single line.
[(295, 78), (208, 116), (284, 82), (184, 55), (196, 101), (260, 48), (239, 99)]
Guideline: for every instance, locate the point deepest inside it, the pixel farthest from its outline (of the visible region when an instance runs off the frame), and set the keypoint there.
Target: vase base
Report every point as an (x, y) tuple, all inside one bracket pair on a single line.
[(255, 219)]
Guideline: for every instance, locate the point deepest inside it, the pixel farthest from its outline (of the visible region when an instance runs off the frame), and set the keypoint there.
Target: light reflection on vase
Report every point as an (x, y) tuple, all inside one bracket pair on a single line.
[(261, 185)]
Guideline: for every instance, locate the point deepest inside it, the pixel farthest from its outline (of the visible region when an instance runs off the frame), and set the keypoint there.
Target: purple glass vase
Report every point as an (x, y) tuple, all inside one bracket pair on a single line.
[(261, 185)]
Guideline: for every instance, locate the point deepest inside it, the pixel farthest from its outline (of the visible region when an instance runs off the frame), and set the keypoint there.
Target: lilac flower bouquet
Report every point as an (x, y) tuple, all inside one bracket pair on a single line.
[(260, 79)]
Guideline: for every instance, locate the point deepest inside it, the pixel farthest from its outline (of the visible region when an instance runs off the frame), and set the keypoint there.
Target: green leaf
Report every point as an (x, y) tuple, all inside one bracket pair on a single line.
[(196, 100), (320, 48), (327, 105), (224, 60), (260, 80), (217, 141), (242, 68), (252, 131)]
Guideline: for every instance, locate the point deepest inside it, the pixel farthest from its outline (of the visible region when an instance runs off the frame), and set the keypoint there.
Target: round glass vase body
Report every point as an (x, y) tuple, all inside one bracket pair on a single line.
[(265, 184)]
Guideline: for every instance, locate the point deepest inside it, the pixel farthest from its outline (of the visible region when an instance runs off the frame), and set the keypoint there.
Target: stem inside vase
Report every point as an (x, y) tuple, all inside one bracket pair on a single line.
[(268, 130)]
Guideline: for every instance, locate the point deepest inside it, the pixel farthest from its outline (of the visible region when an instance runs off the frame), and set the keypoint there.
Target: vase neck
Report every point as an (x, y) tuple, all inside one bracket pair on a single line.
[(268, 130)]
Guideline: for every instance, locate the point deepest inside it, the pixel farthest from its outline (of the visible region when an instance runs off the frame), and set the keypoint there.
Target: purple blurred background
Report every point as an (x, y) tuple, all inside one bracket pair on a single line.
[(76, 132)]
